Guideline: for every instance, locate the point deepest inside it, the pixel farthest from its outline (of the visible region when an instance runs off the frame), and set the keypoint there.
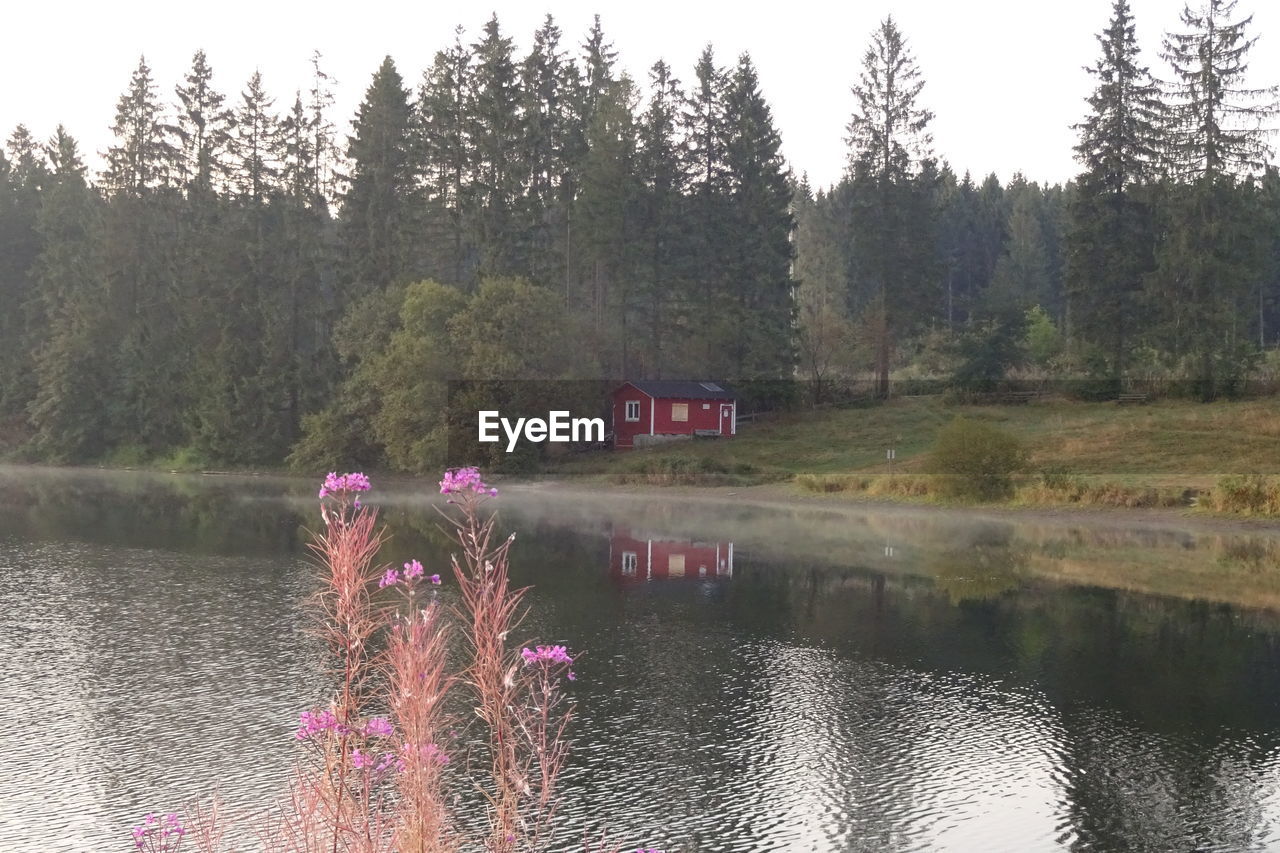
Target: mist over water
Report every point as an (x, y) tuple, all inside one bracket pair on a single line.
[(849, 679)]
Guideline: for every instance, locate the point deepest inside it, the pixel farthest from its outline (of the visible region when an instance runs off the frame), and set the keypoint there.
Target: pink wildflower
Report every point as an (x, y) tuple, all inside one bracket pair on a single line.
[(379, 727), (310, 724), (457, 480), (391, 578), (339, 485), (412, 569), (435, 579), (155, 834), (546, 654)]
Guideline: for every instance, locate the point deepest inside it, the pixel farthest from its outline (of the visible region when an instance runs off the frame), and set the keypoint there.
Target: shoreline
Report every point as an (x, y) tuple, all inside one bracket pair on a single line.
[(786, 496), (778, 495)]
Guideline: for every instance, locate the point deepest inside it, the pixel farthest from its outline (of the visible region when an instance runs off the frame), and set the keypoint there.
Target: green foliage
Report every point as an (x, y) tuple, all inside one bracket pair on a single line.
[(687, 470), (974, 460), (1044, 342), (989, 350), (203, 295)]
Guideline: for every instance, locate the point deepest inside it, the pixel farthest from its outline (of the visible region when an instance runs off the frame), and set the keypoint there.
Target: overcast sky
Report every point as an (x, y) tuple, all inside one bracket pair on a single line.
[(1004, 77)]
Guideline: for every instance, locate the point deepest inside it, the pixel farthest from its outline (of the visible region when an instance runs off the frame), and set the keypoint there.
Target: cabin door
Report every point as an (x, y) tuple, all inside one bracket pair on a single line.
[(726, 418)]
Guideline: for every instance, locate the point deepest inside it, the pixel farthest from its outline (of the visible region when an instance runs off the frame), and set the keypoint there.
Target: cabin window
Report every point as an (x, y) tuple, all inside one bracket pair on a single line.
[(633, 414), (675, 565), (706, 406), (679, 411), (629, 562)]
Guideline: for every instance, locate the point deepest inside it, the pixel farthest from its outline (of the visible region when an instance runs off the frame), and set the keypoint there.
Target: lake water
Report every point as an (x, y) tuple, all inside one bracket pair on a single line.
[(756, 678)]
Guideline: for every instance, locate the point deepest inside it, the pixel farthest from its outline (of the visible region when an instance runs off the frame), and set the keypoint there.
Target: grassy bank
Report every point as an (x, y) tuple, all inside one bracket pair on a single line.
[(1162, 454)]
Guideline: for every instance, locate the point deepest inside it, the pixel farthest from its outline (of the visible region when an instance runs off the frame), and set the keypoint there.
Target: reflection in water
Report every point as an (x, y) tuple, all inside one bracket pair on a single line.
[(639, 556), (875, 681)]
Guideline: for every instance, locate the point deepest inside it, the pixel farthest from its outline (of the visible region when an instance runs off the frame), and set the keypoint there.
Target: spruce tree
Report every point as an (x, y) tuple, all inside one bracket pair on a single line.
[(445, 154), (203, 127), (24, 178), (377, 209), (324, 148), (548, 85), (662, 172), (72, 403), (759, 302), (703, 124), (494, 129), (605, 232), (298, 156), (1110, 237), (891, 167), (255, 144), (142, 157), (1214, 138)]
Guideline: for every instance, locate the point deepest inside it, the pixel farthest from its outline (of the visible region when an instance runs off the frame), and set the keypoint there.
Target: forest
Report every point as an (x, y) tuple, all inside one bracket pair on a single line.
[(242, 285)]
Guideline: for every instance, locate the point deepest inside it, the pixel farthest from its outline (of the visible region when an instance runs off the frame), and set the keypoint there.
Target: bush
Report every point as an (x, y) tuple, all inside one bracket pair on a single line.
[(975, 460), (1248, 494)]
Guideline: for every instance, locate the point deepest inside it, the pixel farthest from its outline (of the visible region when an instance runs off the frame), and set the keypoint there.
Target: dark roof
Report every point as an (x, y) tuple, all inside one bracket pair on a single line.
[(689, 389)]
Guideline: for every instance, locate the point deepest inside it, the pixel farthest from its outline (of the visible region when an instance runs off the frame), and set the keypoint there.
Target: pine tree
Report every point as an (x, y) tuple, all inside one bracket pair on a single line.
[(142, 158), (324, 148), (255, 144), (703, 124), (377, 210), (662, 171), (70, 409), (24, 177), (445, 153), (605, 232), (598, 59), (1109, 243), (759, 228), (298, 156), (495, 126), (1213, 120), (891, 167), (548, 86), (203, 127), (1214, 137)]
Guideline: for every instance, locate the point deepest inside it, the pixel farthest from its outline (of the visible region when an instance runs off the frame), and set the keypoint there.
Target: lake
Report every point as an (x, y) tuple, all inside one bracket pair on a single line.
[(754, 677)]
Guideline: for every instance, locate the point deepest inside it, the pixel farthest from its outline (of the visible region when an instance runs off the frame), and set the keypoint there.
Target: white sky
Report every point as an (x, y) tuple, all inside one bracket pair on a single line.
[(1004, 77)]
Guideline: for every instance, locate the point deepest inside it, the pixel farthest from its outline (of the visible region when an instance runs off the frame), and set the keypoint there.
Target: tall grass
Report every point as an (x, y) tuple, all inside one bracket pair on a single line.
[(1245, 494)]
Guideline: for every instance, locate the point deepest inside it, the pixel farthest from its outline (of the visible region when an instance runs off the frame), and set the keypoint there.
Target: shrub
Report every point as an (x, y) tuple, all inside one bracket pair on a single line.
[(974, 460), (1248, 494)]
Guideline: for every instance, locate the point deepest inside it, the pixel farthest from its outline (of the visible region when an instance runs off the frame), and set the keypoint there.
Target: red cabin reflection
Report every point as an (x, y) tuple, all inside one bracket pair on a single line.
[(635, 556)]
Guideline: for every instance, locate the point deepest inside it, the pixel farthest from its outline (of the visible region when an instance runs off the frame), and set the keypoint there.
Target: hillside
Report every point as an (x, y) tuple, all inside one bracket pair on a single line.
[(1166, 445)]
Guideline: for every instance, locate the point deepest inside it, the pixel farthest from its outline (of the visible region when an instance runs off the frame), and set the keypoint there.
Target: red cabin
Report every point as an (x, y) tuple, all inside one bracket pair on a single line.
[(642, 557), (653, 411)]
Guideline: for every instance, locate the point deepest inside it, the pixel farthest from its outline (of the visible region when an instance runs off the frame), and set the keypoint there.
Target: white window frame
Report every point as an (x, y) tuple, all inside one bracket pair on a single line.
[(630, 562), (632, 411)]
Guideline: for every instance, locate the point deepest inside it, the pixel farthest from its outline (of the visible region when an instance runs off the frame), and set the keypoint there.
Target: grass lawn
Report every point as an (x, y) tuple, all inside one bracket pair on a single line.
[(1163, 444)]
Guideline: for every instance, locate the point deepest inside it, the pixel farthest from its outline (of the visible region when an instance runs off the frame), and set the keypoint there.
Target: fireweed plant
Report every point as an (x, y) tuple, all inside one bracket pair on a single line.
[(377, 774)]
